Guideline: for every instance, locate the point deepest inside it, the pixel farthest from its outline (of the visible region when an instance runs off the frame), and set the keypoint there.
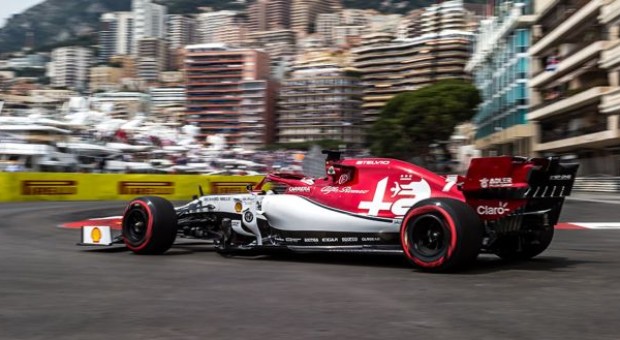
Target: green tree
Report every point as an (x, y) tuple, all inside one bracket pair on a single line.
[(411, 121)]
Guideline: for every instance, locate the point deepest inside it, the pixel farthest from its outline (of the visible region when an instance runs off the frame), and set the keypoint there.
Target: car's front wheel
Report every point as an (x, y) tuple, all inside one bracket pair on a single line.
[(440, 234), (149, 225)]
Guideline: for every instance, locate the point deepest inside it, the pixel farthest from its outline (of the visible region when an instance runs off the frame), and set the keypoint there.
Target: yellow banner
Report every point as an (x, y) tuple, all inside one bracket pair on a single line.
[(32, 186)]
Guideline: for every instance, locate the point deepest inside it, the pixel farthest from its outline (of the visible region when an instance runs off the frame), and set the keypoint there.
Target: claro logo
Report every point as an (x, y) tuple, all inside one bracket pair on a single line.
[(501, 209), (145, 188), (49, 188)]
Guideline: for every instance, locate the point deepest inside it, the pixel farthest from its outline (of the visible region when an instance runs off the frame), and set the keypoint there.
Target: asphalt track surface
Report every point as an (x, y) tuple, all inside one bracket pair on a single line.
[(51, 289)]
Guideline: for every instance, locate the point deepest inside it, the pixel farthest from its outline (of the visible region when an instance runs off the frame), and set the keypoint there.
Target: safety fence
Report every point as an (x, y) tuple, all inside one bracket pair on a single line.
[(32, 186), (597, 184)]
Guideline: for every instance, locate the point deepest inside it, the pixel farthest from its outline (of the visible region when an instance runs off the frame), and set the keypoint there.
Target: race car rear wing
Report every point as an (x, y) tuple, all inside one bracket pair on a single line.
[(501, 188), (518, 177)]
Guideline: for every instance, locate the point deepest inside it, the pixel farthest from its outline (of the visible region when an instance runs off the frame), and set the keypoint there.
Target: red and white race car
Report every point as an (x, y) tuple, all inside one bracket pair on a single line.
[(504, 205)]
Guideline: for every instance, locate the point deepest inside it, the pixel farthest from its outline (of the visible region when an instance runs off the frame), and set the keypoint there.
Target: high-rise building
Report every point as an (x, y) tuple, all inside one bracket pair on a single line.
[(320, 101), (105, 78), (325, 23), (500, 69), (180, 31), (149, 20), (267, 15), (115, 35), (575, 85), (69, 67), (390, 67), (280, 45), (304, 14), (228, 27), (152, 58), (107, 37), (229, 92)]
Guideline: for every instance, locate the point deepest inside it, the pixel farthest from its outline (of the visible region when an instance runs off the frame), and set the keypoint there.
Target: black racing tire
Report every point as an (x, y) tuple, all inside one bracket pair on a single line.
[(441, 234), (527, 247), (149, 225)]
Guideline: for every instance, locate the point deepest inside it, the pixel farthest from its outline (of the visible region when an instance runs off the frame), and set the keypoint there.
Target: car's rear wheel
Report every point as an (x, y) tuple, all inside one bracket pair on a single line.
[(149, 225), (525, 247), (440, 234)]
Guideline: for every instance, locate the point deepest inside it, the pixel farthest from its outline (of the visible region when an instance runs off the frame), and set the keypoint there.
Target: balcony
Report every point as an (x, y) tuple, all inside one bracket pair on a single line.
[(610, 12), (564, 104), (582, 18), (592, 137), (611, 57), (569, 64), (611, 102)]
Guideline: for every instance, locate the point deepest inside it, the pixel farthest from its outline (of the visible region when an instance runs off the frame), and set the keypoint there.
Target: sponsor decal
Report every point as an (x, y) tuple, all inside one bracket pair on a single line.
[(230, 187), (373, 162), (95, 234), (311, 239), (343, 190), (49, 188), (350, 239), (497, 182), (299, 189), (331, 170), (370, 239), (248, 217), (308, 181), (560, 177), (500, 209), (406, 177), (407, 194), (99, 235), (329, 239), (238, 206), (343, 179), (145, 188)]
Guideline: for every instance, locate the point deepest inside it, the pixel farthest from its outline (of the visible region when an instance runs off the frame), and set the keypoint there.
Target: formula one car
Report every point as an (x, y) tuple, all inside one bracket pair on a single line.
[(504, 205)]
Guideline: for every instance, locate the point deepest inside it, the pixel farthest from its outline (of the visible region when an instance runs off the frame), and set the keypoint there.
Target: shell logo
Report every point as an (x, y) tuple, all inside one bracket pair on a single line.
[(95, 234), (238, 207)]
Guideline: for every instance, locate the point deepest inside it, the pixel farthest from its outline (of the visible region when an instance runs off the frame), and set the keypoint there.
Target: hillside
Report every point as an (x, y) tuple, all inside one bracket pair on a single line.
[(55, 21)]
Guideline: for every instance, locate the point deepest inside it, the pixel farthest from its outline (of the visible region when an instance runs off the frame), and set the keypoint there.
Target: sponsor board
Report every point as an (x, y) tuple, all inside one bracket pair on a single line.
[(33, 186), (61, 187), (145, 188)]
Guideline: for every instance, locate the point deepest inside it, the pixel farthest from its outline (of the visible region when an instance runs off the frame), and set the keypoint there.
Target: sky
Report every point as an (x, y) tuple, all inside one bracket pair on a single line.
[(10, 7)]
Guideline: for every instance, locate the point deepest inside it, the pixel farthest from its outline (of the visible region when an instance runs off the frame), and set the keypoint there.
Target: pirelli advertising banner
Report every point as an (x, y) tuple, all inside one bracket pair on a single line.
[(26, 186)]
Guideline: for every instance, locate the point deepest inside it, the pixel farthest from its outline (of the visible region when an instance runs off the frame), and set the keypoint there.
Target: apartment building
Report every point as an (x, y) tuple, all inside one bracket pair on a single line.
[(105, 78), (227, 27), (149, 21), (304, 14), (229, 92), (280, 45), (320, 101), (575, 86), (69, 67), (115, 35), (180, 31), (390, 66), (500, 69), (152, 58), (267, 15)]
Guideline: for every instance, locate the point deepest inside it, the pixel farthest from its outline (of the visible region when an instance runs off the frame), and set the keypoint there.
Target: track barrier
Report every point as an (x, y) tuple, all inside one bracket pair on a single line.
[(32, 186)]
